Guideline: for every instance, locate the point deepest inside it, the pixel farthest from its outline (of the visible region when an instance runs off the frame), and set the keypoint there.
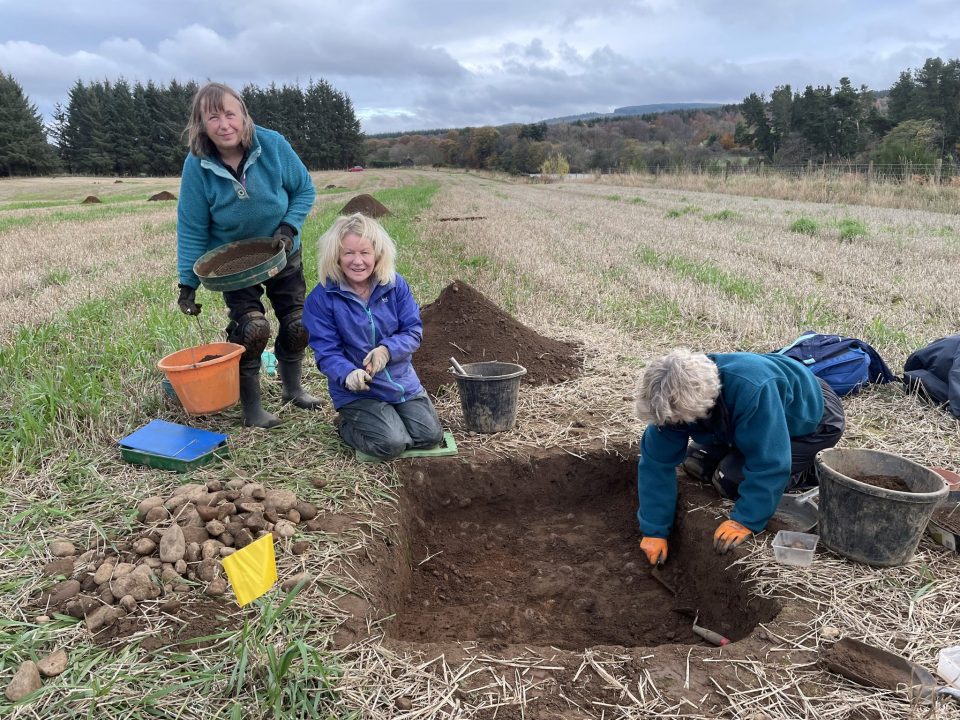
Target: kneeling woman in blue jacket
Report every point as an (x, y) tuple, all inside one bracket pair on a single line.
[(364, 327)]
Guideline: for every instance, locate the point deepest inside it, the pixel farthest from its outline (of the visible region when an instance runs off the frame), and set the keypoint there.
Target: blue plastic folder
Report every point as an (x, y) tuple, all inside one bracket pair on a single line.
[(170, 446)]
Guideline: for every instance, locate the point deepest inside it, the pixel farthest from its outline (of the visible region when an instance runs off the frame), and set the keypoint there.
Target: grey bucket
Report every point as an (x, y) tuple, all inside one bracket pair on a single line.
[(488, 395), (870, 524)]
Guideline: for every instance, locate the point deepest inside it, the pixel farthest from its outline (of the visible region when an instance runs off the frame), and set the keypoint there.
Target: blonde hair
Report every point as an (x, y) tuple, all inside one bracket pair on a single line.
[(210, 97), (384, 250), (679, 387)]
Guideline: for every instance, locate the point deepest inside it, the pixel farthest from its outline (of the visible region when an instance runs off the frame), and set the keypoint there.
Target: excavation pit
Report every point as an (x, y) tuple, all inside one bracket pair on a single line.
[(543, 551)]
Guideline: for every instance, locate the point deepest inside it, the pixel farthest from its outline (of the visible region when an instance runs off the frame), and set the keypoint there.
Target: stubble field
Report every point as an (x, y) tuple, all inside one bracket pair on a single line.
[(628, 268)]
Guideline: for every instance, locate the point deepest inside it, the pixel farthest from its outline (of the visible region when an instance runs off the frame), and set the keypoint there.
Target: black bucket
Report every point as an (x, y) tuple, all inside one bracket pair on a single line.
[(488, 395), (871, 524)]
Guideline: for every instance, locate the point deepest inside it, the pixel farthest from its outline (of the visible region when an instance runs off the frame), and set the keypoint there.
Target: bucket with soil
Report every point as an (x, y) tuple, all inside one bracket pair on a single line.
[(488, 395), (874, 506), (206, 378)]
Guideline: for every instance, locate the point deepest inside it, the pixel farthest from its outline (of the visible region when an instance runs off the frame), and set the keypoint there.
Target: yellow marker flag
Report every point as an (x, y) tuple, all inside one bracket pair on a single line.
[(252, 570)]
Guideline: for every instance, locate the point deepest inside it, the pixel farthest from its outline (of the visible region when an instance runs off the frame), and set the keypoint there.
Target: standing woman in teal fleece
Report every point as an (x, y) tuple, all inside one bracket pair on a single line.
[(240, 181), (757, 423)]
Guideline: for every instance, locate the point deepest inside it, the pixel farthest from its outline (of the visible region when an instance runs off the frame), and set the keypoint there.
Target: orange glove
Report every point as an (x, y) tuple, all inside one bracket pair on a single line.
[(729, 535), (655, 549)]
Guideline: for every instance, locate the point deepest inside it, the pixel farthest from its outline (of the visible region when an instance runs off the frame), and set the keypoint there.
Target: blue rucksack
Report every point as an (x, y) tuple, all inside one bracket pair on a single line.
[(845, 364)]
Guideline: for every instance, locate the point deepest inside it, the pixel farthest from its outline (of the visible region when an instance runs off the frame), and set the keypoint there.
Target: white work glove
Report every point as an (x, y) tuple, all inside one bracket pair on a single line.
[(376, 360), (357, 380)]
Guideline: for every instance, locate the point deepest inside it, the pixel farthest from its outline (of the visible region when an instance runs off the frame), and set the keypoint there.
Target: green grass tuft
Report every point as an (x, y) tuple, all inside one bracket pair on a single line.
[(804, 226)]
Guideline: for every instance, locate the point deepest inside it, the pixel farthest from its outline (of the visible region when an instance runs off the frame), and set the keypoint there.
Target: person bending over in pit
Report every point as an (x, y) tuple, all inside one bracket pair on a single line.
[(756, 424), (364, 327), (242, 181)]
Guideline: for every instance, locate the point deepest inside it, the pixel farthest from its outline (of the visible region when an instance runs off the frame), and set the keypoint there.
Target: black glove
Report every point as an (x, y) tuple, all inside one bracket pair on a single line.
[(283, 238), (187, 300)]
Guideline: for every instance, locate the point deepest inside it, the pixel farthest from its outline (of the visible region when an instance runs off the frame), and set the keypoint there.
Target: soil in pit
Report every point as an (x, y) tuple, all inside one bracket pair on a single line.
[(463, 323), (367, 205), (543, 552)]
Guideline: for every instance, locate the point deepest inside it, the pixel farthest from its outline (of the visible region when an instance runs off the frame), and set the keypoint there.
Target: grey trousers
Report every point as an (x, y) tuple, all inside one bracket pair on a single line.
[(384, 430)]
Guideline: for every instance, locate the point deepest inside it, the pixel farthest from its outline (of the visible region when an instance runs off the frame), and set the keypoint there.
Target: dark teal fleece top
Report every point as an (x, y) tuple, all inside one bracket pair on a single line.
[(216, 208), (770, 399)]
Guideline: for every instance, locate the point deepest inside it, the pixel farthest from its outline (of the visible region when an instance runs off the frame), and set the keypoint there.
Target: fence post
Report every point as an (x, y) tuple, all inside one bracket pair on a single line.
[(938, 171), (870, 173), (726, 170)]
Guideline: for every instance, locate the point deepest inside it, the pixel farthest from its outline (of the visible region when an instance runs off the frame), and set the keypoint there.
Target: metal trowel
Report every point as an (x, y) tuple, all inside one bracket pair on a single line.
[(800, 512)]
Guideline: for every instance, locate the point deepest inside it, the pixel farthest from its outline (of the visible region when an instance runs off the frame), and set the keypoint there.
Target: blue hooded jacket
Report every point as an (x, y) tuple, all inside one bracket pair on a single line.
[(343, 329), (768, 399), (214, 208)]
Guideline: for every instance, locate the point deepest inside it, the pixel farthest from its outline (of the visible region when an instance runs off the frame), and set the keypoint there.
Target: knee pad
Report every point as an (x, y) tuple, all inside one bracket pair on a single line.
[(293, 335), (728, 476), (700, 463), (252, 331)]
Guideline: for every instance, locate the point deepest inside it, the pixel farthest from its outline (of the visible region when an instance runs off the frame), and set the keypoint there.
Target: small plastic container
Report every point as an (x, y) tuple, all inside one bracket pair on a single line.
[(948, 666), (794, 548)]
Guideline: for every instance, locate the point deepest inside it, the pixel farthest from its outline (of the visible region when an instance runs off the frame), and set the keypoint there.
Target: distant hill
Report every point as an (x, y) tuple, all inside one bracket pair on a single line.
[(634, 110)]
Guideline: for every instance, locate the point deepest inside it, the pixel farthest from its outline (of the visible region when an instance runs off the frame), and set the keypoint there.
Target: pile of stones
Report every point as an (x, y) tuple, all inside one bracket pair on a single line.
[(182, 541)]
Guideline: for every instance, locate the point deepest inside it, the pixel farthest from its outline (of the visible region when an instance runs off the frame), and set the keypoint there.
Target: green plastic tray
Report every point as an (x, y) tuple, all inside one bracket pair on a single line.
[(165, 462), (447, 447), (207, 268)]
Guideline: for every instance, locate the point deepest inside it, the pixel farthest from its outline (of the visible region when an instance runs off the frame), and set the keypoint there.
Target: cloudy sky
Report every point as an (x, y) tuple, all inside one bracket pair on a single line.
[(419, 64)]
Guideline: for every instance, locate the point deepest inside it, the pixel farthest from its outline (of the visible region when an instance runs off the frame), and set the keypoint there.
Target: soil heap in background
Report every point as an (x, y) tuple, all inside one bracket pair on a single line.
[(91, 199), (482, 332), (366, 204), (162, 196)]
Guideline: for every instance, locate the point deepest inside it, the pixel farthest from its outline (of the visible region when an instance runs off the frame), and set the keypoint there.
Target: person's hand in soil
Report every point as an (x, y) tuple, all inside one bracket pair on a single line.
[(188, 300), (655, 549), (357, 380), (376, 360), (729, 535)]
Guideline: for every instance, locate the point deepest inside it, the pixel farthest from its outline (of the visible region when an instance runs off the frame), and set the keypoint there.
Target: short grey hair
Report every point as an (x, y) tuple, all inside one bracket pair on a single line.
[(679, 387)]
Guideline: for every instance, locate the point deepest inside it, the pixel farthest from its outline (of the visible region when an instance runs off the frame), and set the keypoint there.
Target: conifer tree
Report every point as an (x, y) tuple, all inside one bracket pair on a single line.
[(23, 142)]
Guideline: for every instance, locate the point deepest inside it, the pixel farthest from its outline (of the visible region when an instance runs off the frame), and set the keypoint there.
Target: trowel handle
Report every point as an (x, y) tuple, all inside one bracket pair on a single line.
[(456, 366), (949, 692), (807, 496)]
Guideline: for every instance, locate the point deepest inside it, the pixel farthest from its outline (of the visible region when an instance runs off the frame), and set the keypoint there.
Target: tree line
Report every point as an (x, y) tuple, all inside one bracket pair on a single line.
[(915, 122), (114, 128)]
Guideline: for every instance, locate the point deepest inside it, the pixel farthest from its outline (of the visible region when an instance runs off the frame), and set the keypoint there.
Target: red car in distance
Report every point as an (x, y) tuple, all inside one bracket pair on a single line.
[(356, 168)]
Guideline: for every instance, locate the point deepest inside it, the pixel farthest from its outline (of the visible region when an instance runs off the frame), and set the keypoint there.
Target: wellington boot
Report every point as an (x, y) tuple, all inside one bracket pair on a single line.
[(290, 373), (253, 413)]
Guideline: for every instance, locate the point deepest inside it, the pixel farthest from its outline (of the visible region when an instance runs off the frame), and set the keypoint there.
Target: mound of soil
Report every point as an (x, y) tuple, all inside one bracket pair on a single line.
[(91, 199), (463, 323), (162, 196), (366, 204)]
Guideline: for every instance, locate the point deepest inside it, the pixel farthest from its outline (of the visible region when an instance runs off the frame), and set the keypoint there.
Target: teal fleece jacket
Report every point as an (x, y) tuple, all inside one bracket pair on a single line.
[(770, 399), (214, 208)]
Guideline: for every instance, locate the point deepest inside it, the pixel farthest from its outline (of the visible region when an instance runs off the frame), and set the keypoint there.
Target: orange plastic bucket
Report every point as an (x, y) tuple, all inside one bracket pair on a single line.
[(205, 387)]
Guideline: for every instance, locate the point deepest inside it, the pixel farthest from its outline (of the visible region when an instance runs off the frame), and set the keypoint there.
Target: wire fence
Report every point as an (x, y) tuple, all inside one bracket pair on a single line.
[(938, 173)]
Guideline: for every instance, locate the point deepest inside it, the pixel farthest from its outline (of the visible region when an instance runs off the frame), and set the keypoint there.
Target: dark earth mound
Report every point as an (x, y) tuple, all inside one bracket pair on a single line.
[(366, 204), (162, 196), (464, 324), (90, 200)]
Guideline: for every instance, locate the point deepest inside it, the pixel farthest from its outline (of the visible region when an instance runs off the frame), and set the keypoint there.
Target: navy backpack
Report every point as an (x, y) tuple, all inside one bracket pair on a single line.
[(845, 364)]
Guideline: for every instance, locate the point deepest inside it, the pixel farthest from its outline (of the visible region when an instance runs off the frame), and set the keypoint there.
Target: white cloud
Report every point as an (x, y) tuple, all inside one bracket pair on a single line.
[(439, 63)]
